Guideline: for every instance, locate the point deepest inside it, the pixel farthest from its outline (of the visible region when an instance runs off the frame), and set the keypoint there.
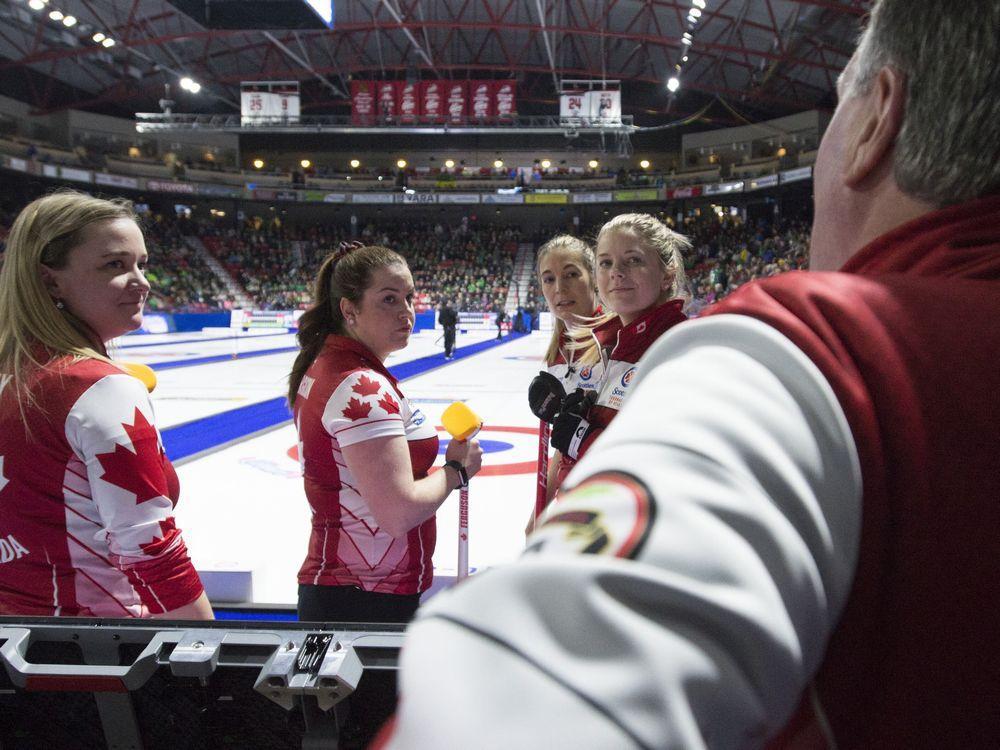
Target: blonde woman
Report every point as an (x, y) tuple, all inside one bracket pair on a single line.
[(86, 492), (640, 277), (566, 276)]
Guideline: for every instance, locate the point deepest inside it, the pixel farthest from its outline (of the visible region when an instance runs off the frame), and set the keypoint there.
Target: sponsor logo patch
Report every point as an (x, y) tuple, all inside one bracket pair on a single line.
[(607, 514)]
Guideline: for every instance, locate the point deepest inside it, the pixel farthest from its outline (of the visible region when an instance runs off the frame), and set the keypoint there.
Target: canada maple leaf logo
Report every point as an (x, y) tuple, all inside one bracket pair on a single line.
[(160, 544), (140, 469), (356, 409), (388, 403), (366, 387)]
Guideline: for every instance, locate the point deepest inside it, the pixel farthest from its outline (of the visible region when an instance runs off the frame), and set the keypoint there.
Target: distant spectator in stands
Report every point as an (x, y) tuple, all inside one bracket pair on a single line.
[(86, 493)]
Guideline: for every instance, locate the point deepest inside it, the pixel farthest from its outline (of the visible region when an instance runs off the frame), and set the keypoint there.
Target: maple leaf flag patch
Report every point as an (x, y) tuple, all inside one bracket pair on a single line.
[(138, 469), (356, 409), (366, 387), (388, 403)]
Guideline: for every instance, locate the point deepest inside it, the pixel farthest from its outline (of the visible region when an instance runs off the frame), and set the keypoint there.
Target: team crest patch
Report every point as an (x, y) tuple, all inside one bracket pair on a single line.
[(608, 514), (586, 373), (627, 377)]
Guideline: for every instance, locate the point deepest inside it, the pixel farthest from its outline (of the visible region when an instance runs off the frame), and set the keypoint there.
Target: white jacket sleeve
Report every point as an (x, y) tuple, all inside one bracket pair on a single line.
[(683, 593)]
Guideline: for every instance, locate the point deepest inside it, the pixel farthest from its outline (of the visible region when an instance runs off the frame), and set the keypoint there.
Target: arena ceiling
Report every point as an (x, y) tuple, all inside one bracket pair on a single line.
[(755, 58)]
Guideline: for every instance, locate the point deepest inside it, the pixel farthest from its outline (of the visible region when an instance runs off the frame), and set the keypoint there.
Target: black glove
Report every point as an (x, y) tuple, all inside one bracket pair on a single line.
[(545, 395), (571, 427)]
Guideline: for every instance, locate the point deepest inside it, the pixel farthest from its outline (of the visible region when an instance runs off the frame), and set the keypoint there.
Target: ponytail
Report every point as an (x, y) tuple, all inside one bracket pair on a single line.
[(345, 274)]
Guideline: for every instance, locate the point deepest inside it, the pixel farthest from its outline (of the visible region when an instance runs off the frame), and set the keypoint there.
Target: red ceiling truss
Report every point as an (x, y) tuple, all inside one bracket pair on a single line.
[(767, 56)]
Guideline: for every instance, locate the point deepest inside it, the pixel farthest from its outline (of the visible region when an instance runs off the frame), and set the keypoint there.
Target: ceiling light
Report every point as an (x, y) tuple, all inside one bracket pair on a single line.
[(69, 21), (694, 12), (699, 3), (355, 163), (673, 84), (592, 163), (449, 163), (498, 164), (685, 40), (186, 83), (195, 87), (305, 163), (36, 4), (56, 15), (258, 163), (401, 163), (546, 164), (687, 35), (684, 59), (644, 164), (108, 42), (98, 37)]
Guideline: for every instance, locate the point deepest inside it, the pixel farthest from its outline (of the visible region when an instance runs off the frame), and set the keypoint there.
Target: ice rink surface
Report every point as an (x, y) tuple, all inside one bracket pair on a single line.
[(242, 507)]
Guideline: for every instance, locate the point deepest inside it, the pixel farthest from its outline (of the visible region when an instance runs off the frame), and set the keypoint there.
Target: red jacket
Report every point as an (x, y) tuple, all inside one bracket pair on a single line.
[(908, 337)]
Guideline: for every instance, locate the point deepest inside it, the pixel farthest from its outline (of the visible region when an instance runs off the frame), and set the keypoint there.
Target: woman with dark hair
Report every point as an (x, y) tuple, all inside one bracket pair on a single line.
[(86, 493), (365, 451)]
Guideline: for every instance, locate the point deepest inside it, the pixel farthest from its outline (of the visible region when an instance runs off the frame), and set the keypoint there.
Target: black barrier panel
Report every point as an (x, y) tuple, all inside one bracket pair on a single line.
[(117, 684)]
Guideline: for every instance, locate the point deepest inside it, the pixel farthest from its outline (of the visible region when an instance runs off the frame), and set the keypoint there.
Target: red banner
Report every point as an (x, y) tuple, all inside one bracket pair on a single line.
[(432, 101), (456, 101), (480, 100), (409, 102), (362, 102), (388, 101), (684, 192), (435, 102), (504, 95)]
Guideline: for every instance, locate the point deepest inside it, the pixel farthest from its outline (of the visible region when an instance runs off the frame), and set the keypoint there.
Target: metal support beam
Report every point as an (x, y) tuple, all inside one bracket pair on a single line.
[(304, 63)]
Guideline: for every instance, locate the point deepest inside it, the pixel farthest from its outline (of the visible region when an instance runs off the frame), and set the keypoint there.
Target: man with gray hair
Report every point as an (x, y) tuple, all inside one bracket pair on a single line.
[(801, 551)]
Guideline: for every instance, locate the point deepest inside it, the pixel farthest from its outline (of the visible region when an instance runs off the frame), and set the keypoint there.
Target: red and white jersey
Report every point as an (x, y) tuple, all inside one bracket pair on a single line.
[(87, 498), (572, 374), (346, 397), (627, 344)]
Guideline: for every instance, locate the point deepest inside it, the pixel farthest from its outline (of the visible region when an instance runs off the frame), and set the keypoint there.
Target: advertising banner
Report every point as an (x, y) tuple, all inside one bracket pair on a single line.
[(480, 100), (432, 101), (458, 198), (762, 182), (794, 175), (362, 102), (503, 198), (692, 191), (77, 175), (372, 198), (19, 164), (221, 191), (721, 188), (116, 180), (504, 98), (546, 198), (607, 197), (162, 186), (456, 101), (632, 196), (416, 198)]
